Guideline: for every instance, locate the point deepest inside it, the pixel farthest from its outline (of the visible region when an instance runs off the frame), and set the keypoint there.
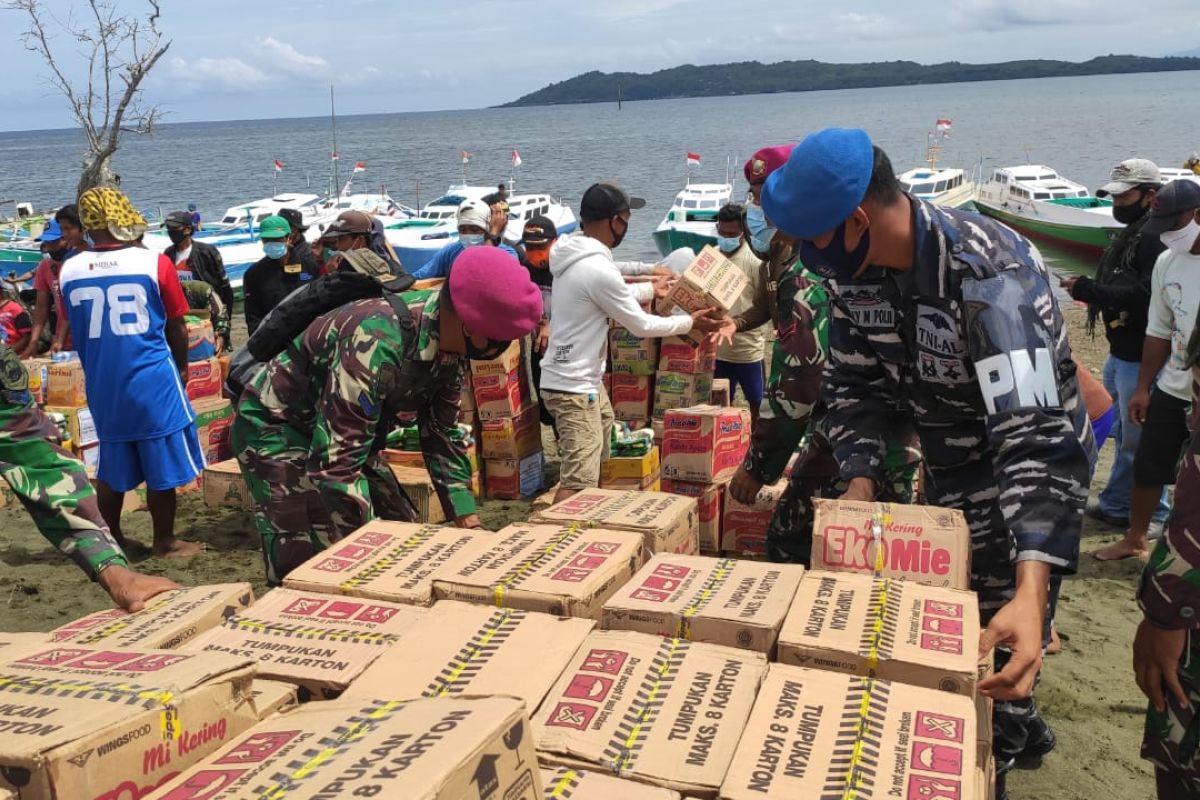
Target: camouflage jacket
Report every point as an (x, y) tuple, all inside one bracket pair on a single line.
[(972, 344), (344, 380)]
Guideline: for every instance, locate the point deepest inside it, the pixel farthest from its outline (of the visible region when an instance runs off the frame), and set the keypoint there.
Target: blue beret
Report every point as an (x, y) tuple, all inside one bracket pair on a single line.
[(823, 181)]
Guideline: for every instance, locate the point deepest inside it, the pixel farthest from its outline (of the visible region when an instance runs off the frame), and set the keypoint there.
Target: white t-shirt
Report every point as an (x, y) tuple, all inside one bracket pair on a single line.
[(1174, 298)]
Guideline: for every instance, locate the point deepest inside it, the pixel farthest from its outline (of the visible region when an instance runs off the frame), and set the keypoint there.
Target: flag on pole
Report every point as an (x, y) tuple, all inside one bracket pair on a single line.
[(516, 158), (466, 157), (944, 124), (360, 166), (278, 165), (333, 156), (693, 159)]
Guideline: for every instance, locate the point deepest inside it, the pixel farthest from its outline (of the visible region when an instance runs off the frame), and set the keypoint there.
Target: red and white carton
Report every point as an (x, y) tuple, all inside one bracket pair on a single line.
[(744, 527), (705, 444), (204, 379), (512, 437), (632, 397), (677, 354), (710, 281), (668, 523), (710, 499), (501, 396)]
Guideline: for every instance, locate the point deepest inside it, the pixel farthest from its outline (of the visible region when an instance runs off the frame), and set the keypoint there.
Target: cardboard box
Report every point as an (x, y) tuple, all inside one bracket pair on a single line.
[(272, 697), (472, 650), (65, 384), (510, 479), (90, 456), (466, 400), (91, 723), (709, 499), (167, 621), (501, 396), (224, 362), (744, 528), (203, 381), (565, 571), (513, 437), (715, 600), (543, 500), (630, 356), (680, 390), (677, 354), (224, 486), (921, 543), (440, 749), (417, 484), (502, 365), (704, 443), (316, 641), (883, 628), (662, 711), (202, 342), (722, 392), (820, 734), (415, 458), (39, 377), (710, 281), (564, 783), (80, 425), (395, 561), (636, 468), (668, 523), (214, 421), (632, 397)]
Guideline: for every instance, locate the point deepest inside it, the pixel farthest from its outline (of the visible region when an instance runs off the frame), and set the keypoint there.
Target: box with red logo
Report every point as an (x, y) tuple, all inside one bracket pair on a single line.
[(716, 600), (710, 498), (566, 571), (214, 422), (679, 390), (317, 641), (512, 437), (513, 479), (564, 783), (394, 561), (925, 544), (710, 281), (722, 394), (202, 341), (96, 723), (894, 629), (677, 354), (704, 443), (203, 379), (632, 396), (501, 396), (629, 355), (744, 527), (668, 523), (820, 734), (443, 749), (661, 711)]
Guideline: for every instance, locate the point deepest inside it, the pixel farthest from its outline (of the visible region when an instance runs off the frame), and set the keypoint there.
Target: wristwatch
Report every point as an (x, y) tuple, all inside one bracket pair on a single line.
[(493, 239)]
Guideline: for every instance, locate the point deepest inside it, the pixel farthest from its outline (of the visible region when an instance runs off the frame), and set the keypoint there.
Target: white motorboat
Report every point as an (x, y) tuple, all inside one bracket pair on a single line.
[(692, 220), (1039, 202), (942, 186)]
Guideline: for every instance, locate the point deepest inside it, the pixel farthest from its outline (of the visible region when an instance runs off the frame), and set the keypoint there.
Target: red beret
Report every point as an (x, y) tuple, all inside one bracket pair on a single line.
[(766, 161)]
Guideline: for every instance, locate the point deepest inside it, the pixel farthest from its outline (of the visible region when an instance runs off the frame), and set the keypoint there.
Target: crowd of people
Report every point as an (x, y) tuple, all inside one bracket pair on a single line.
[(907, 339)]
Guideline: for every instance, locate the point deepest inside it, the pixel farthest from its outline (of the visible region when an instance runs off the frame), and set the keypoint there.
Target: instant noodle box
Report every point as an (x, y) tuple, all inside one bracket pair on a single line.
[(203, 379), (418, 487), (679, 355), (886, 628), (709, 498), (668, 523), (632, 397), (564, 783), (744, 527), (704, 443), (710, 281), (679, 390), (629, 355), (512, 437)]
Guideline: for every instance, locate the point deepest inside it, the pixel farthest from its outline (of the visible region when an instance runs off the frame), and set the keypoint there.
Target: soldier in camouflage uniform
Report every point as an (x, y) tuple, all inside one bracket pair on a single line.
[(310, 426), (951, 317), (55, 490)]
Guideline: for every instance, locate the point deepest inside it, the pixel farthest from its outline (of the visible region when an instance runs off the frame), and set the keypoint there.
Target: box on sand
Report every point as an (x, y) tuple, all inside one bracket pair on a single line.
[(565, 571), (564, 783), (395, 561), (709, 499), (661, 711), (167, 621), (88, 723), (418, 487), (514, 479), (271, 697), (714, 600), (224, 486), (704, 443), (821, 734), (884, 628), (668, 523), (470, 650), (444, 749), (920, 543), (316, 641)]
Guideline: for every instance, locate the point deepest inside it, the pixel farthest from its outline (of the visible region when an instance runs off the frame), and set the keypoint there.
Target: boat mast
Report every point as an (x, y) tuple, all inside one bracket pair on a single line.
[(935, 145)]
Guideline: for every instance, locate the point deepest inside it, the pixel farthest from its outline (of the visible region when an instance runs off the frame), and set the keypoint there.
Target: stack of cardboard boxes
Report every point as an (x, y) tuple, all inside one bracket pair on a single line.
[(510, 431), (66, 395)]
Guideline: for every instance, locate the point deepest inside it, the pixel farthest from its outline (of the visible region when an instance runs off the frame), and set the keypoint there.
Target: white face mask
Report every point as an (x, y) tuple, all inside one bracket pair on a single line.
[(1182, 240)]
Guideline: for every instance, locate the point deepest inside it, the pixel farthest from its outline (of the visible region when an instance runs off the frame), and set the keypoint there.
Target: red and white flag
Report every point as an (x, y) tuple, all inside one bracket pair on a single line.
[(278, 165), (693, 159), (333, 156), (944, 124), (516, 158), (466, 157), (360, 166)]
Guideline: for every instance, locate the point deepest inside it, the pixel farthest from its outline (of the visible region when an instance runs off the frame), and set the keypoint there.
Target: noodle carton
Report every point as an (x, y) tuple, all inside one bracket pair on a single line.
[(744, 527), (710, 281), (668, 523), (272, 697), (704, 443), (709, 498), (564, 783)]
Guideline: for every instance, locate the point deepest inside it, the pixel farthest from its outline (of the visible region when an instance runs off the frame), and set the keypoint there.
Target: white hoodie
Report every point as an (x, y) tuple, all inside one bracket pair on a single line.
[(588, 291)]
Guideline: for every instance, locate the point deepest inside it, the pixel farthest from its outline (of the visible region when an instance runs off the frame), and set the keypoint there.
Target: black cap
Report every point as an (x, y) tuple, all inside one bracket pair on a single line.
[(178, 219), (294, 218), (539, 230), (605, 201), (1170, 202)]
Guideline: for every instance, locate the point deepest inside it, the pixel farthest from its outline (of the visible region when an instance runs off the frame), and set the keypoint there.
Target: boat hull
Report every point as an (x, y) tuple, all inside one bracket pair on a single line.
[(667, 240), (1077, 237)]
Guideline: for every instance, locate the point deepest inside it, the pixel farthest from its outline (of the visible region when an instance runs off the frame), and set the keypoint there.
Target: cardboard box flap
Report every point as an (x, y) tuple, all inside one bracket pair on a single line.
[(271, 697), (564, 783), (664, 519), (465, 649)]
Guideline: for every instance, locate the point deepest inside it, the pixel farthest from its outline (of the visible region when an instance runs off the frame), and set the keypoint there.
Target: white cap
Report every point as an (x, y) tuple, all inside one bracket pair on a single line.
[(1130, 174), (474, 212)]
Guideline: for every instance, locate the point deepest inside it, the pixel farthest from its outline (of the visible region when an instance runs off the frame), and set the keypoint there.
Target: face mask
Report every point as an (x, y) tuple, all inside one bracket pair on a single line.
[(617, 237), (1127, 215), (59, 254), (470, 239), (1182, 240), (834, 260), (176, 236), (275, 250), (493, 350), (760, 232), (538, 257), (87, 239), (727, 244), (329, 253)]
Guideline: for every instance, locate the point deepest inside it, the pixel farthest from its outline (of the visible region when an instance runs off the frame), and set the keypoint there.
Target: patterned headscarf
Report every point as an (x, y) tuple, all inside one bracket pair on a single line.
[(105, 208)]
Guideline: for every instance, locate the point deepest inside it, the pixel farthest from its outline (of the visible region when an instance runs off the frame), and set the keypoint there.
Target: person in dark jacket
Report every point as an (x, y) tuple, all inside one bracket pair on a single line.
[(197, 264), (1119, 299), (282, 269), (301, 251), (538, 236)]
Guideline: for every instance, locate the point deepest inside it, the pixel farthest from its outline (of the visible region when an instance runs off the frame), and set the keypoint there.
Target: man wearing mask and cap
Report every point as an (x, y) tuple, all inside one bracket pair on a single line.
[(45, 284), (300, 251), (126, 309), (310, 426), (276, 275), (538, 236), (950, 316), (479, 225), (202, 273)]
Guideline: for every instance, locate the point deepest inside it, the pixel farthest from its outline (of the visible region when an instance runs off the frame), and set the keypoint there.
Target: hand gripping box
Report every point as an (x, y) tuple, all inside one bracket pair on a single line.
[(317, 641), (744, 527), (90, 723), (704, 443), (167, 621), (668, 523), (444, 749), (716, 600), (564, 783), (820, 734), (885, 628), (662, 711), (920, 543), (395, 561), (710, 281), (470, 650), (565, 571)]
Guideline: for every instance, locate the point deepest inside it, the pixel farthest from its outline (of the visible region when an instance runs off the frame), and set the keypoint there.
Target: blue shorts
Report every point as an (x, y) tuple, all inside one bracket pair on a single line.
[(748, 376), (164, 463)]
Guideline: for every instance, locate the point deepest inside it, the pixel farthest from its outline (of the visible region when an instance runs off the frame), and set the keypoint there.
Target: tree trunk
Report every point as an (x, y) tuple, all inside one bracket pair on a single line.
[(97, 171)]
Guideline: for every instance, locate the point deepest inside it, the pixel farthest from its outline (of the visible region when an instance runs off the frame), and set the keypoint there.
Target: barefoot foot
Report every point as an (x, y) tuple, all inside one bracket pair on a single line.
[(178, 548), (1122, 549)]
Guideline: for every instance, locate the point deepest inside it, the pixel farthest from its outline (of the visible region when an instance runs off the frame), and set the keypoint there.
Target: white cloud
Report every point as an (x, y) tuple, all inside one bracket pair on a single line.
[(224, 73), (622, 10), (286, 58)]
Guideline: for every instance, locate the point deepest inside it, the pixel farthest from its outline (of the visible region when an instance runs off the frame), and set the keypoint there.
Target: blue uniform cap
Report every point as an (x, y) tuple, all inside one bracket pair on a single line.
[(823, 181), (52, 232)]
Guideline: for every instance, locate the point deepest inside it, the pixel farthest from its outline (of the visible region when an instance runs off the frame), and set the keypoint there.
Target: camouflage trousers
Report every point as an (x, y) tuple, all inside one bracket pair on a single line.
[(291, 515), (53, 486)]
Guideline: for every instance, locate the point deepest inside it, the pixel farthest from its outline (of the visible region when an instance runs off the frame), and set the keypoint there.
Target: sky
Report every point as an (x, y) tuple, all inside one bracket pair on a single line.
[(253, 60)]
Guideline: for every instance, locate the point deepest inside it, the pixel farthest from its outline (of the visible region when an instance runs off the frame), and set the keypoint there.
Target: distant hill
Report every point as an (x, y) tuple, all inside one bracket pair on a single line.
[(753, 77), (1193, 53)]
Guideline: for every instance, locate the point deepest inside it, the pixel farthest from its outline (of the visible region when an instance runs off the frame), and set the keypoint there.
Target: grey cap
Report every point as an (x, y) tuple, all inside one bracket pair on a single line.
[(1130, 174), (1170, 202)]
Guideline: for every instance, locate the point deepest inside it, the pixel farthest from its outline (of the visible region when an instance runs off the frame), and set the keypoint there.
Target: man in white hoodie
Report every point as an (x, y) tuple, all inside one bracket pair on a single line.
[(588, 291)]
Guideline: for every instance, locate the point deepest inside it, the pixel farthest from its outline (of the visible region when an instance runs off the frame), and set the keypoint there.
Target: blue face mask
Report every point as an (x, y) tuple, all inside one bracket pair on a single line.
[(470, 239), (834, 260), (760, 232), (275, 250), (728, 244)]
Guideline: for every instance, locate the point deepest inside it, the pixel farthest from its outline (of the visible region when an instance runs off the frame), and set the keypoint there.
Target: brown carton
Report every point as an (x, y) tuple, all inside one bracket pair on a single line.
[(513, 437), (65, 384), (722, 393), (921, 543), (632, 397), (470, 650), (820, 734), (167, 621), (744, 527), (317, 641), (503, 364), (710, 281), (884, 628), (214, 423), (629, 355), (202, 381), (224, 486), (679, 355), (715, 600), (428, 749), (394, 561), (39, 377), (80, 426), (514, 479), (709, 498), (643, 468), (704, 443), (271, 697), (679, 390), (417, 484), (96, 724), (661, 711), (564, 783), (565, 571), (667, 522)]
